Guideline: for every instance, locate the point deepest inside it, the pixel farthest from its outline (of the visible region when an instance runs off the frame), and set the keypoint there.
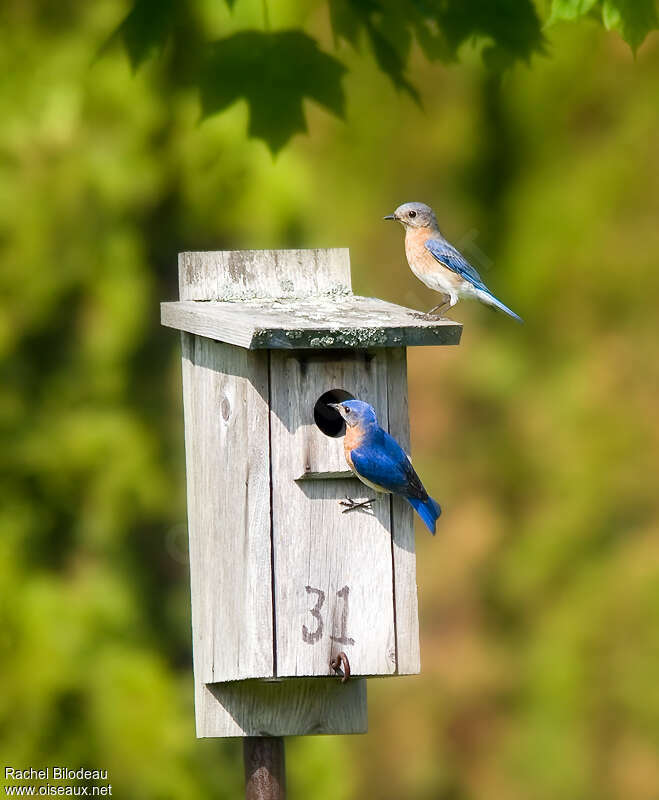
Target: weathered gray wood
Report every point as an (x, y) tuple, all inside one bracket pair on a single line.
[(244, 274), (318, 550), (329, 321), (297, 381), (265, 768), (402, 526), (264, 482), (225, 393), (300, 707)]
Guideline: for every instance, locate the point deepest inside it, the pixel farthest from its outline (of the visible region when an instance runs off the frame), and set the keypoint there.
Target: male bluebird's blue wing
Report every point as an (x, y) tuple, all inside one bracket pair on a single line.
[(382, 461), (447, 255)]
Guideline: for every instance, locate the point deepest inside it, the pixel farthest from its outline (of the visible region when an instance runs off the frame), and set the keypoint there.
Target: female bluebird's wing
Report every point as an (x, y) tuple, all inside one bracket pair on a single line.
[(382, 461), (447, 255), (451, 258)]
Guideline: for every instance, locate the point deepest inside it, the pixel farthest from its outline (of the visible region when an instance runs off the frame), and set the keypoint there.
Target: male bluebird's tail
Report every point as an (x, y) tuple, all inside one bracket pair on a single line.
[(428, 510), (488, 298)]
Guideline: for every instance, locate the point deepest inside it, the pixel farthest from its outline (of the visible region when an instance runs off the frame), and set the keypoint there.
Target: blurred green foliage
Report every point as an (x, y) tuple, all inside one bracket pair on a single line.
[(274, 72), (540, 595)]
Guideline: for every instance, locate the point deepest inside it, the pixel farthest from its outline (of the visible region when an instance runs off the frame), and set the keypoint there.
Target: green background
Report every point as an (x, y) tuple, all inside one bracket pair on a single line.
[(539, 597)]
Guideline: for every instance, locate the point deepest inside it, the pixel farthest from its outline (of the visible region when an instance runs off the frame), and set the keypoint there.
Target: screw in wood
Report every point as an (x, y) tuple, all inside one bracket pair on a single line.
[(341, 665)]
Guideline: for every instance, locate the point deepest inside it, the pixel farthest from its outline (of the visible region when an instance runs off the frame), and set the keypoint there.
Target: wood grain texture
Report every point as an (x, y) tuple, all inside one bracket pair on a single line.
[(263, 481), (225, 392), (402, 526), (318, 550), (338, 321), (299, 707), (245, 274), (297, 381)]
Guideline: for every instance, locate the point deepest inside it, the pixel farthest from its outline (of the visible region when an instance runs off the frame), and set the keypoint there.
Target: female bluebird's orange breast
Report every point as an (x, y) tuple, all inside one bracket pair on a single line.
[(425, 266), (415, 249)]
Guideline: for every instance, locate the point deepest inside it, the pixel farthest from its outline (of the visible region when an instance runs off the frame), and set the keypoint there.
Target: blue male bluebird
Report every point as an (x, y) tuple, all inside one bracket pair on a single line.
[(380, 462), (437, 263)]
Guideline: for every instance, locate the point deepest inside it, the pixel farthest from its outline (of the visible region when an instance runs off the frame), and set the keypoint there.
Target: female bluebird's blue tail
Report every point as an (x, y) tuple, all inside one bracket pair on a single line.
[(429, 511), (489, 299)]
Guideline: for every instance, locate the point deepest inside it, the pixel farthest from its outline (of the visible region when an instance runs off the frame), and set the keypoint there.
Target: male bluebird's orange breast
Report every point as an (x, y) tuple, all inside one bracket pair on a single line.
[(353, 438)]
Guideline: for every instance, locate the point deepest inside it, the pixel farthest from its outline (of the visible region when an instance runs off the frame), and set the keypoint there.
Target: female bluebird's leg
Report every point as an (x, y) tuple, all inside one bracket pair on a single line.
[(353, 504), (449, 300), (446, 301)]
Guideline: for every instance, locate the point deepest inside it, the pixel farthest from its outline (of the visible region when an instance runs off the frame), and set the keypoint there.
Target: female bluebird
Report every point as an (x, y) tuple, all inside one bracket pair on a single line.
[(380, 462), (437, 263)]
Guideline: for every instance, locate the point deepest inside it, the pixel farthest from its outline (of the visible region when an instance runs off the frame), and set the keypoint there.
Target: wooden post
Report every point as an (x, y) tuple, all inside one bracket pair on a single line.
[(265, 768)]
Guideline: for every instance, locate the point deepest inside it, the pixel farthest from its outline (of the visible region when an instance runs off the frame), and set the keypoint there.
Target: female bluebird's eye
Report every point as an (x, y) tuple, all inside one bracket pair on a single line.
[(412, 214)]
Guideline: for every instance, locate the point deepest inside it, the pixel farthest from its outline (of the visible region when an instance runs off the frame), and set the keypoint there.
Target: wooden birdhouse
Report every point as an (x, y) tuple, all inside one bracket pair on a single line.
[(282, 580)]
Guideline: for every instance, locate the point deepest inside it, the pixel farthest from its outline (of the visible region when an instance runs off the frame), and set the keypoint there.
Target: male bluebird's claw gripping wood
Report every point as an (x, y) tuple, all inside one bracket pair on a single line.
[(437, 263), (380, 462)]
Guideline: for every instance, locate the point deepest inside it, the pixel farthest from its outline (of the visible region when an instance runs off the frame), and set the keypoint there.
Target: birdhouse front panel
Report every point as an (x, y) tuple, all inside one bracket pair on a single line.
[(339, 576)]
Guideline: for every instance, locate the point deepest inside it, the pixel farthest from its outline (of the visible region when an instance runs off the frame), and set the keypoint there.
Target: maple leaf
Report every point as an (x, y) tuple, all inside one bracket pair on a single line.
[(274, 72), (633, 19)]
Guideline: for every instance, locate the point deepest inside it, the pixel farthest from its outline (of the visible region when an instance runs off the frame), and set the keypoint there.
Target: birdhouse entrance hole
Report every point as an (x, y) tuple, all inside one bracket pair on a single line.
[(328, 419)]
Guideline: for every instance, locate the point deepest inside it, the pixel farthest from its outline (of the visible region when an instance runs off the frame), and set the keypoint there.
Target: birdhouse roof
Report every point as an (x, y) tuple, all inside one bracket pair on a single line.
[(291, 299), (334, 321)]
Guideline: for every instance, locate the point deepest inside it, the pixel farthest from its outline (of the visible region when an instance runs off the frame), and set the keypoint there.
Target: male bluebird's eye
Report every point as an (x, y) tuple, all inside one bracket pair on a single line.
[(346, 409), (412, 214)]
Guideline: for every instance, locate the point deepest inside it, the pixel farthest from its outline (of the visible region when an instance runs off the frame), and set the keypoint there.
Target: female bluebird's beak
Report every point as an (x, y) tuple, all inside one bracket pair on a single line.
[(390, 216)]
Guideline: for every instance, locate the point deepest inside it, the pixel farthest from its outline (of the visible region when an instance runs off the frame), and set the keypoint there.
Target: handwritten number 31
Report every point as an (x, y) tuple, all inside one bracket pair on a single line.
[(311, 637)]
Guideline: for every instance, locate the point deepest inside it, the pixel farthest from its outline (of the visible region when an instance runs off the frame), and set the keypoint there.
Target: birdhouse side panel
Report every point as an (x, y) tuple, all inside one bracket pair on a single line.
[(225, 391), (333, 574), (402, 526)]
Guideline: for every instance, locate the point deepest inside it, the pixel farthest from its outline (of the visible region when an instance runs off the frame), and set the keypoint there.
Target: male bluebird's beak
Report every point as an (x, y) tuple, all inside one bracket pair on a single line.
[(390, 216), (334, 405)]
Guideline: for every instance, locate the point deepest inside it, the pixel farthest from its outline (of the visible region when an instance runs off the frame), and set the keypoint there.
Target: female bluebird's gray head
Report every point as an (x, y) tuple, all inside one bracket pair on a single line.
[(356, 412), (415, 215)]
